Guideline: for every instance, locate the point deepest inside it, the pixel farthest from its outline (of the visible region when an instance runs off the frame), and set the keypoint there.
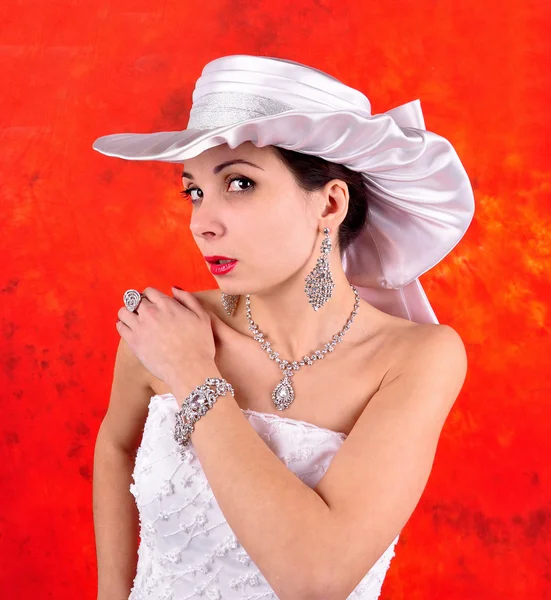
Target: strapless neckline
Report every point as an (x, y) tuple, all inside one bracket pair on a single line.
[(267, 416)]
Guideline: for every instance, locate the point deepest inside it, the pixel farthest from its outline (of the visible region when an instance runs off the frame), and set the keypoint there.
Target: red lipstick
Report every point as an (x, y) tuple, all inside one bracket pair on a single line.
[(220, 268)]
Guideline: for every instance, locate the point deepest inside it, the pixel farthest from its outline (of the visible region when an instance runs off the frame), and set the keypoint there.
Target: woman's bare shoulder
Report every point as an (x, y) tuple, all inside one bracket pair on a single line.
[(211, 301), (407, 341), (415, 344), (128, 402)]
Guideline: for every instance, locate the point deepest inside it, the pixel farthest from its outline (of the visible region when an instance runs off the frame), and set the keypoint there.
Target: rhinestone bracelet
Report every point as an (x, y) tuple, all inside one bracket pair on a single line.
[(196, 404)]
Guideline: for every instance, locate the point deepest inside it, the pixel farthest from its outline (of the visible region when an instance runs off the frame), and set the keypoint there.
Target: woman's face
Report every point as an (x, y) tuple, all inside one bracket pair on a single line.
[(255, 213)]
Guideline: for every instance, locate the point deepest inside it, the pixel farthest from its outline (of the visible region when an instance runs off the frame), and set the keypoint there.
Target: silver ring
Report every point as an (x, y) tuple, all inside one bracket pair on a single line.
[(132, 299)]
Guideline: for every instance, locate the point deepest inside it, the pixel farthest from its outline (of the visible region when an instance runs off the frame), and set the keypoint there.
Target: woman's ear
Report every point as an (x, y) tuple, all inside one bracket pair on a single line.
[(335, 201)]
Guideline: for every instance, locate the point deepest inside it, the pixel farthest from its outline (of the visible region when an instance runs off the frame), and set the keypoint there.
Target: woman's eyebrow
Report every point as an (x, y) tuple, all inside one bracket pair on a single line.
[(217, 169)]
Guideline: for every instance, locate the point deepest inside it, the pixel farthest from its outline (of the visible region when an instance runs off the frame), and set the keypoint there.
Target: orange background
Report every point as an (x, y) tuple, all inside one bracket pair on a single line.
[(79, 228)]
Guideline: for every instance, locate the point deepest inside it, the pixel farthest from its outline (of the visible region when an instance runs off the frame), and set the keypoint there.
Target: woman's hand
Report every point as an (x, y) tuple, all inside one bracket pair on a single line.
[(172, 337)]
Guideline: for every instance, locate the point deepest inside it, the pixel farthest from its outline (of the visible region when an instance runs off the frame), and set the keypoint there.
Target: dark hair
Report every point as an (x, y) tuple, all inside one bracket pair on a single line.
[(312, 172)]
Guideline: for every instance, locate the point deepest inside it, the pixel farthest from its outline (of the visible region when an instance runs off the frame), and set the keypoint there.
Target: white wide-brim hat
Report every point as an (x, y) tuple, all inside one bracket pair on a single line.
[(421, 197)]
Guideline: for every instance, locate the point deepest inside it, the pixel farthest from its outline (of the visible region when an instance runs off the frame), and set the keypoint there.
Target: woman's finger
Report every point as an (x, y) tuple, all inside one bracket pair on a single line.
[(189, 301), (145, 302), (124, 331), (154, 295), (128, 317)]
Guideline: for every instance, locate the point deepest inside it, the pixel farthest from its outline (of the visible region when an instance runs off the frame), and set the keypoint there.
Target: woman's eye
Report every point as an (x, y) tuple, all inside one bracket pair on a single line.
[(240, 180), (242, 184), (188, 194)]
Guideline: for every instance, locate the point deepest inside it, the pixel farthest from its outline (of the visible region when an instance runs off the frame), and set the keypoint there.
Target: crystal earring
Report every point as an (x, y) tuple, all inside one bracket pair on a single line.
[(229, 302), (319, 283)]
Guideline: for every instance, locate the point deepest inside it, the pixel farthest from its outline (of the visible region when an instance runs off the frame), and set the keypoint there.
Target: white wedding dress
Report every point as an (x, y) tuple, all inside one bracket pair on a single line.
[(187, 549)]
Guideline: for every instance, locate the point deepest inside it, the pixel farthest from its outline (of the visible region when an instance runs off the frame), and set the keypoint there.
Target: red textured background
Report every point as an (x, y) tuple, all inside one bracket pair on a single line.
[(78, 228)]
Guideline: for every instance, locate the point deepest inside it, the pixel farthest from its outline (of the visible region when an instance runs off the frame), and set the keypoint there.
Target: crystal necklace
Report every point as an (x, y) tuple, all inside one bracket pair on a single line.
[(284, 394)]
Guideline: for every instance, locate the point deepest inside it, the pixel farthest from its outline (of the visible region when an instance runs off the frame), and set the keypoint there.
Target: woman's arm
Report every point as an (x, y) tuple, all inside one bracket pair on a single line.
[(116, 522), (317, 544)]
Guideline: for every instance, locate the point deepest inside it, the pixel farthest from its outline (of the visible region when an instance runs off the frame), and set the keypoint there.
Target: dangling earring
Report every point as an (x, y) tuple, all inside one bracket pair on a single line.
[(319, 283), (229, 302)]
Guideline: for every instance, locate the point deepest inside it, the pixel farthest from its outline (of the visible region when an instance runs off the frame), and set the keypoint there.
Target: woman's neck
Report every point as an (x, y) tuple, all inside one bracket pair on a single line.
[(291, 325)]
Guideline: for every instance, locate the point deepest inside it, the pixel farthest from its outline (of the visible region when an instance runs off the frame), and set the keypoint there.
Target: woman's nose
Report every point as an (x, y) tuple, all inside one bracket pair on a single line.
[(205, 223)]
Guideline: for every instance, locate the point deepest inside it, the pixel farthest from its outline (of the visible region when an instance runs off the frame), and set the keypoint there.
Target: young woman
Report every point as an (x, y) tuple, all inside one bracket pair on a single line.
[(286, 423)]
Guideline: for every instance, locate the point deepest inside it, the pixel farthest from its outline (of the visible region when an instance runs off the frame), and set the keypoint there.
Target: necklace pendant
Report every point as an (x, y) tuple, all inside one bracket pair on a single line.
[(283, 394)]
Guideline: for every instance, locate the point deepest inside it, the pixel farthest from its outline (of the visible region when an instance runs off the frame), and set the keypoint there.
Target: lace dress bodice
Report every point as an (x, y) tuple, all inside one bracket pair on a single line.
[(187, 549)]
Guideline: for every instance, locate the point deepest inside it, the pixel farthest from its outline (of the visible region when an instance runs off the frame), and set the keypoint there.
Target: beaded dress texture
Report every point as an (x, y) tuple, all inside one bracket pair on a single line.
[(187, 549)]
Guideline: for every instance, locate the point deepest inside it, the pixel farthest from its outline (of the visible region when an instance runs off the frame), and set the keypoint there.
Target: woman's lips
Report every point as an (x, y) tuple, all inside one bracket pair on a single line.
[(216, 269)]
